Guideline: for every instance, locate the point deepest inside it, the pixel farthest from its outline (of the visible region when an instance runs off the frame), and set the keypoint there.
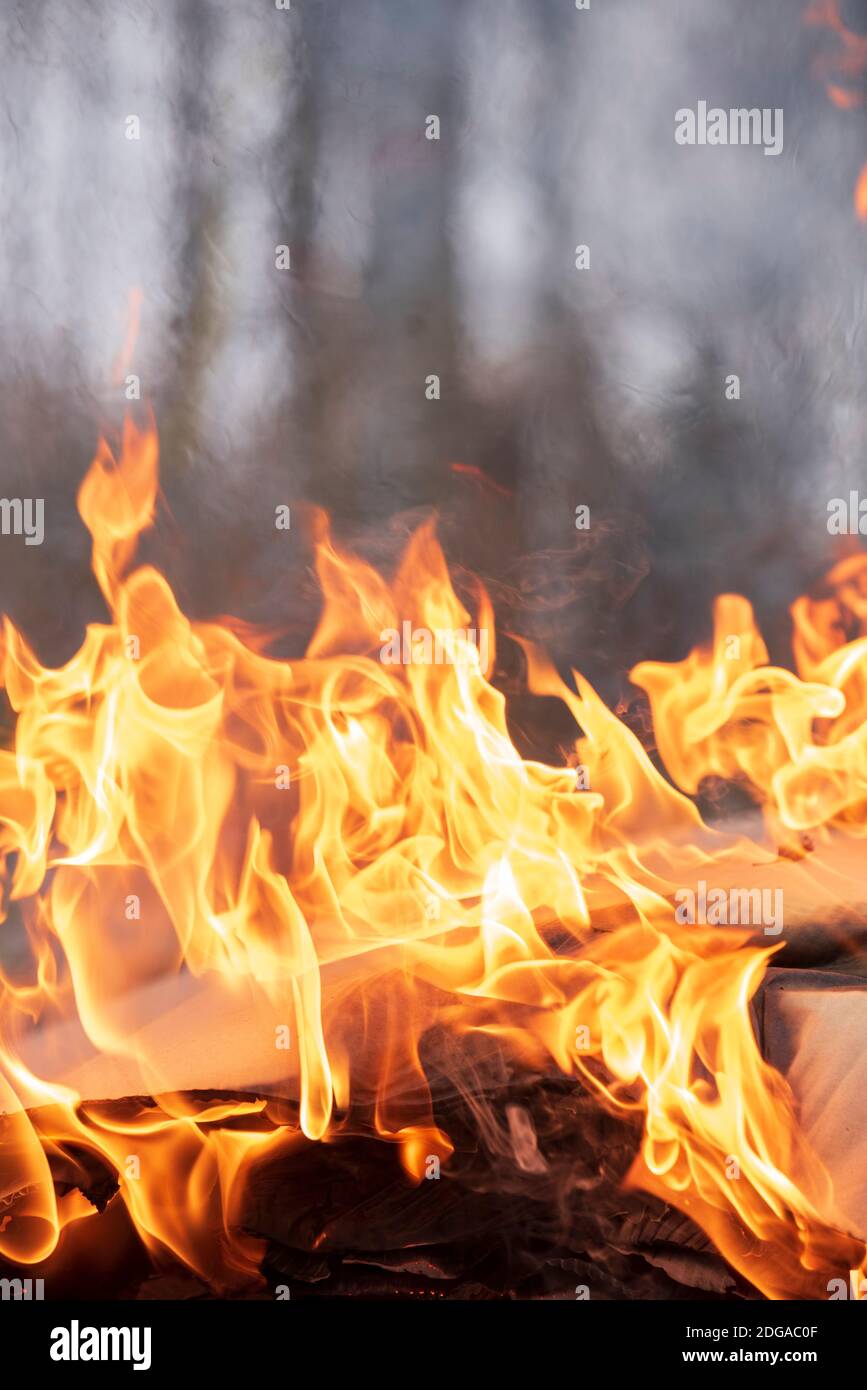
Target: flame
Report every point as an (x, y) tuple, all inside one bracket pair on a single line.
[(284, 875), (847, 60), (797, 742), (860, 195), (843, 99), (124, 358)]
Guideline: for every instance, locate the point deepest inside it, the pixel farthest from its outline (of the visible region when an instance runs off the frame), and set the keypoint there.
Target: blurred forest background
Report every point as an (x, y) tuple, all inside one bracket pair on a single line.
[(306, 127)]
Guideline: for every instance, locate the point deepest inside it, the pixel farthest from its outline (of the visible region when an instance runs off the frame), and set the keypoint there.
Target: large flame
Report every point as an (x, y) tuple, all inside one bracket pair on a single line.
[(339, 853)]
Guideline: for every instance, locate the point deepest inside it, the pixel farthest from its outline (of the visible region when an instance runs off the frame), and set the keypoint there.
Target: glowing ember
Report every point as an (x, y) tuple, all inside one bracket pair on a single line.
[(357, 847)]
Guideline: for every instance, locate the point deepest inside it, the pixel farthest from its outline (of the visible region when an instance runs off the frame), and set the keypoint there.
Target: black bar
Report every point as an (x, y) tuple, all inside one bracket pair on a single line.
[(261, 1336)]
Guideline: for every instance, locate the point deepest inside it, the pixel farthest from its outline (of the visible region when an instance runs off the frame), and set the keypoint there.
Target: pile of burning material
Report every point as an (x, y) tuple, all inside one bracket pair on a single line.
[(326, 987)]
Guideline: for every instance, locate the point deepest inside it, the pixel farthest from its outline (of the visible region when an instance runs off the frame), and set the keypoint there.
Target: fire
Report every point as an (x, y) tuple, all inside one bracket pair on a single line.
[(861, 194), (283, 875), (848, 61)]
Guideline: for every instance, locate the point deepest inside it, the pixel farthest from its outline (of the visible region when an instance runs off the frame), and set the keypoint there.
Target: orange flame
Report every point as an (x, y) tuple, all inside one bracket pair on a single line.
[(860, 197), (848, 61), (125, 356), (245, 875)]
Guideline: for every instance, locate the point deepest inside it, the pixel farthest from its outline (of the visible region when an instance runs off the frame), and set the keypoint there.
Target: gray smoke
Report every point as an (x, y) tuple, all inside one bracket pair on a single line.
[(306, 127)]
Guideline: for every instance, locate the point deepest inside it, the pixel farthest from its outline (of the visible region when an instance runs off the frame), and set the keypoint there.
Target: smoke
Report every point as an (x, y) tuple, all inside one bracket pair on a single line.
[(453, 257)]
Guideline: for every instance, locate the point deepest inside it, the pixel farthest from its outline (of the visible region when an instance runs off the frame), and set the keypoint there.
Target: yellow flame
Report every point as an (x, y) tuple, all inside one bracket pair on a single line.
[(343, 852)]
